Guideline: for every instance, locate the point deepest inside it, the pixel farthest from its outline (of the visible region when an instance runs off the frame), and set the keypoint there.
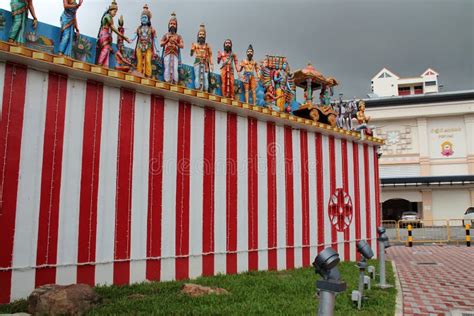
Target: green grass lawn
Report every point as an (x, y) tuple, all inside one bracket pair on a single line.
[(283, 292)]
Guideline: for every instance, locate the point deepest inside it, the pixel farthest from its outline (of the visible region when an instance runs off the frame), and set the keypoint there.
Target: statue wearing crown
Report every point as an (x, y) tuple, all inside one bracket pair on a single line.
[(202, 61), (104, 38), (122, 63), (146, 48), (249, 77), (172, 44)]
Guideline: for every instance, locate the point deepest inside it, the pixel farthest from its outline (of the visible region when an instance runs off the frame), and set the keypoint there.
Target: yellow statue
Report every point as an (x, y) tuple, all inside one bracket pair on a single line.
[(361, 117), (146, 47)]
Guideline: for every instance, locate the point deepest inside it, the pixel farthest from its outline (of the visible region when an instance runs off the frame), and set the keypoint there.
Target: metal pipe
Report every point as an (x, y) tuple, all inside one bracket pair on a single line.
[(327, 301), (382, 263)]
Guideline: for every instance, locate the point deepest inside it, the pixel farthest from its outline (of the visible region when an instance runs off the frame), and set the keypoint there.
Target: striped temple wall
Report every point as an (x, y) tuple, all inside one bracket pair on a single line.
[(105, 185)]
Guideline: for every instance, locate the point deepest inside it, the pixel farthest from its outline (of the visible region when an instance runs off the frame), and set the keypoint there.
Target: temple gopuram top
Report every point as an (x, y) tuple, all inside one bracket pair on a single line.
[(263, 89)]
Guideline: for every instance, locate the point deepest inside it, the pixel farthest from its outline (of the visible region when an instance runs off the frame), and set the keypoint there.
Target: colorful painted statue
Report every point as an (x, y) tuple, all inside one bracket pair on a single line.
[(249, 77), (122, 63), (326, 94), (104, 38), (20, 10), (278, 83), (361, 117), (202, 61), (68, 26), (146, 48), (229, 60), (172, 44)]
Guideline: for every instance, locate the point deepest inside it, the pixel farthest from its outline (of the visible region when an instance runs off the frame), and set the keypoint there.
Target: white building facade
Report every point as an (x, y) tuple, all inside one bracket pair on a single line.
[(428, 159), (388, 84)]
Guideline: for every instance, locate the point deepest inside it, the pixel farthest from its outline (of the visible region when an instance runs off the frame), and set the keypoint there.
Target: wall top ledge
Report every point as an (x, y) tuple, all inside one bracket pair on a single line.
[(75, 69)]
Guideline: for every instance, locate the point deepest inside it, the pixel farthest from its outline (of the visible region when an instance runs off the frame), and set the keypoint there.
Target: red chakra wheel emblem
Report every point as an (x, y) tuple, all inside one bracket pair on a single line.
[(340, 209)]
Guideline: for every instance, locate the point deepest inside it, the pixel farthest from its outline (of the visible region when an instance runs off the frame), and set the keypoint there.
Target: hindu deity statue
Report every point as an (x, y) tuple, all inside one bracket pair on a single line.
[(104, 38), (229, 61), (249, 77), (202, 61), (278, 82), (122, 62), (20, 10), (146, 48), (172, 44), (327, 91), (68, 26), (361, 117), (363, 120)]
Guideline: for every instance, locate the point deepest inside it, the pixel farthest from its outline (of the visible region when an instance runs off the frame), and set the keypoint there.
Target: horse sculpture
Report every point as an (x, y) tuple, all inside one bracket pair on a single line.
[(346, 112)]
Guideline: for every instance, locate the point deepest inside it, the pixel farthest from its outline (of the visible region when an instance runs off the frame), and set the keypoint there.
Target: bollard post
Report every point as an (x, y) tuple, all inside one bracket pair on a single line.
[(410, 236), (468, 235), (383, 244)]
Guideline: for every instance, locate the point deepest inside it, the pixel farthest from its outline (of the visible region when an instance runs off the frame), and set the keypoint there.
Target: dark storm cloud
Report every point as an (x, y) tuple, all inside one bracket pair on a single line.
[(350, 40)]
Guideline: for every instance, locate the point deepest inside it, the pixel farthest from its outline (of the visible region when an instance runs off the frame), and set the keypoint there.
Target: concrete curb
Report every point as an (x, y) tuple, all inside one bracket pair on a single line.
[(399, 299)]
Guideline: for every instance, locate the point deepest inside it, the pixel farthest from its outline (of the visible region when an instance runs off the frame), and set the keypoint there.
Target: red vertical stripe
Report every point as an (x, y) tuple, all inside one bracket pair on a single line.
[(332, 185), (182, 191), (272, 196), (123, 199), (320, 190), (367, 194), (345, 182), (10, 147), (290, 237), (355, 151), (208, 192), (51, 179), (305, 196), (89, 183), (231, 193), (252, 194), (155, 186), (377, 191)]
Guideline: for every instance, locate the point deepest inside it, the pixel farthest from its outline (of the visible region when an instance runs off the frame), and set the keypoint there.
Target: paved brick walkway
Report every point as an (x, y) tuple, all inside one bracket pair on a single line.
[(435, 279)]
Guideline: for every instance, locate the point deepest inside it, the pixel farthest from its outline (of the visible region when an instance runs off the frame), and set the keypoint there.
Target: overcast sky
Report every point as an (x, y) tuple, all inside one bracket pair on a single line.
[(350, 40)]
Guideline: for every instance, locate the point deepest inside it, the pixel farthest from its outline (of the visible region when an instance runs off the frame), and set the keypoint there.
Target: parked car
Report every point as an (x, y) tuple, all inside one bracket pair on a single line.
[(412, 218), (468, 216)]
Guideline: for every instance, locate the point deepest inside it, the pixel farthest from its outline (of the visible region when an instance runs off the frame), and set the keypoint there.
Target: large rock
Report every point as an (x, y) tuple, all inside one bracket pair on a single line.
[(199, 290), (51, 299)]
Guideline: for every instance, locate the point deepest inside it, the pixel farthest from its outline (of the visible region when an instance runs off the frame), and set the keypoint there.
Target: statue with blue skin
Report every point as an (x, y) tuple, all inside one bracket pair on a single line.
[(146, 47)]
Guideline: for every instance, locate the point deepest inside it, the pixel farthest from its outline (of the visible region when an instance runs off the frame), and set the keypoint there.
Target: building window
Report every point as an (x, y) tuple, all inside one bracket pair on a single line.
[(430, 83), (385, 75), (403, 90), (418, 89)]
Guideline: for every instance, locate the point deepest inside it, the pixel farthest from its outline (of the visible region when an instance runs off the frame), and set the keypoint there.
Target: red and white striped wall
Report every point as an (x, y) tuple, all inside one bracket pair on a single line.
[(102, 185)]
